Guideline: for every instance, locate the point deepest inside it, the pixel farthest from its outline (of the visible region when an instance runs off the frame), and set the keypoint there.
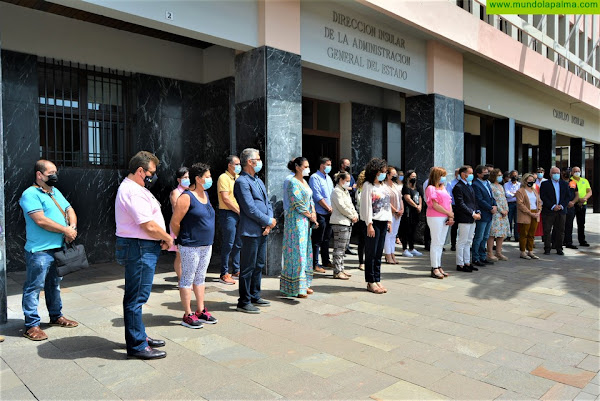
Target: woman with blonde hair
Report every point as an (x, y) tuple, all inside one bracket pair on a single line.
[(529, 206), (439, 218), (500, 225)]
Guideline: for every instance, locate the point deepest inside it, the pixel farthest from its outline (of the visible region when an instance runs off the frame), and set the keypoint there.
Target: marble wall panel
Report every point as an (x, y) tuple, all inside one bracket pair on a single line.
[(3, 304), (367, 134)]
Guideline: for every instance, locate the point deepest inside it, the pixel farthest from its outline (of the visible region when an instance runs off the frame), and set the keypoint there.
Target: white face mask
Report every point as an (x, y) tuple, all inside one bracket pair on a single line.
[(306, 172), (577, 174), (347, 184)]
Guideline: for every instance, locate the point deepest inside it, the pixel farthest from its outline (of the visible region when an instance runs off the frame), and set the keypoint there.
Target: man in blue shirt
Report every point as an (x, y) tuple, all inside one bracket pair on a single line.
[(49, 221), (322, 187), (256, 223)]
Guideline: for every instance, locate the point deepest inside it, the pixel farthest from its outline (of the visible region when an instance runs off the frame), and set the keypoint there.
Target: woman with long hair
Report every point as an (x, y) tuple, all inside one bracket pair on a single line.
[(397, 210), (376, 212), (439, 218), (413, 204)]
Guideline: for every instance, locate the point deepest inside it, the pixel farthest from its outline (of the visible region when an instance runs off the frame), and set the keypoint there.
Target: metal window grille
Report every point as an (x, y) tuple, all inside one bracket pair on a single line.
[(83, 115)]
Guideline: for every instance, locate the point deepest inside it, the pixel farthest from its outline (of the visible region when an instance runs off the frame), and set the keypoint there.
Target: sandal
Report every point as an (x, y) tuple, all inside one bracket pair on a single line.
[(532, 255), (35, 334), (443, 272), (64, 322), (372, 287), (361, 267), (437, 275), (382, 287), (309, 291), (302, 296)]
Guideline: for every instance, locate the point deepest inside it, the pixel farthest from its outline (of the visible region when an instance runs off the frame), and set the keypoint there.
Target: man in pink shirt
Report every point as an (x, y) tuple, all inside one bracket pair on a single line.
[(141, 235)]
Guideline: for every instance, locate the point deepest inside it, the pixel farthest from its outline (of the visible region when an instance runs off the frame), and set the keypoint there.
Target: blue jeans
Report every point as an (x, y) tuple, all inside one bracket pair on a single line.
[(512, 219), (139, 256), (253, 258), (41, 274), (232, 242), (482, 232)]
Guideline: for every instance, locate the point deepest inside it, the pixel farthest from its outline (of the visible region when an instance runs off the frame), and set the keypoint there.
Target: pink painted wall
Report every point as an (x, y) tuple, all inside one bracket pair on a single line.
[(444, 70), (279, 24), (455, 26)]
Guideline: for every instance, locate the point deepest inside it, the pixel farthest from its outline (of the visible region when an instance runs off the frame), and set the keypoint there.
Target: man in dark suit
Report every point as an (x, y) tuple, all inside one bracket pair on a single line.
[(465, 214), (256, 222), (555, 201), (487, 205)]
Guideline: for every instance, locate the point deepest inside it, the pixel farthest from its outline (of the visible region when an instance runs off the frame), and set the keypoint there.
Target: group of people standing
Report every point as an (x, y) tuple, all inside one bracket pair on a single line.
[(481, 206)]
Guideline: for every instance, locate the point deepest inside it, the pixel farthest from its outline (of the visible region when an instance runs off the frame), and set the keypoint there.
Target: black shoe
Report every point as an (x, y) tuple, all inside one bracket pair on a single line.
[(465, 269), (350, 252), (453, 248), (560, 253), (443, 249), (571, 246), (546, 252), (475, 269), (248, 309), (584, 244), (478, 263), (487, 262), (155, 343), (261, 302), (147, 353)]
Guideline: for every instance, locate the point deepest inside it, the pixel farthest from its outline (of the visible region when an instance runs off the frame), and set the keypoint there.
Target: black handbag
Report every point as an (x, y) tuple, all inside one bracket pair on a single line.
[(71, 257)]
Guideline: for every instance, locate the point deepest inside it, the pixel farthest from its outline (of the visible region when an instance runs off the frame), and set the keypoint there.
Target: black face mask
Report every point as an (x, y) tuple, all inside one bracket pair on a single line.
[(485, 177), (52, 180), (413, 181), (530, 184), (150, 181), (513, 178), (347, 169)]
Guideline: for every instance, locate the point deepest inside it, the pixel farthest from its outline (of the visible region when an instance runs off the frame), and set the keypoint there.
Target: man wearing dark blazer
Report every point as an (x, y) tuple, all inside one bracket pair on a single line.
[(487, 205), (256, 222), (466, 213), (555, 201)]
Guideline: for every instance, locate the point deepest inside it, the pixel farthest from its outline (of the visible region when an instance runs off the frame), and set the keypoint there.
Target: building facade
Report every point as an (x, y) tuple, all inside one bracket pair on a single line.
[(87, 83)]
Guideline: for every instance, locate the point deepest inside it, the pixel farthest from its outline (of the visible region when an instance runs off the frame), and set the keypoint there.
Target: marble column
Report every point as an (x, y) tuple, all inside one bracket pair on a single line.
[(434, 133), (3, 305), (504, 144), (578, 154), (595, 181), (268, 97), (547, 149), (367, 135)]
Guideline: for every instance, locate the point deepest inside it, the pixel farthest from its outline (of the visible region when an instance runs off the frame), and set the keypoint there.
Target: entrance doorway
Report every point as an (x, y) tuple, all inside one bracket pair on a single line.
[(320, 132)]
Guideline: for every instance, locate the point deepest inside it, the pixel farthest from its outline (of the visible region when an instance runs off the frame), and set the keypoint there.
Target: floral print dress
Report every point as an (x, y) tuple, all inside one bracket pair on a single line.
[(500, 226), (297, 271)]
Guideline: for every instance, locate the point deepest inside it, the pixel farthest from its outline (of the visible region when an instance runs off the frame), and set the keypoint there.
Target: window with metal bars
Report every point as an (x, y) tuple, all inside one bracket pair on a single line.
[(83, 115)]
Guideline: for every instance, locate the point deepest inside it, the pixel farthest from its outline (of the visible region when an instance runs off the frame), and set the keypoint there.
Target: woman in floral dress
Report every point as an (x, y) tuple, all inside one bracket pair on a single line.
[(297, 272), (500, 226)]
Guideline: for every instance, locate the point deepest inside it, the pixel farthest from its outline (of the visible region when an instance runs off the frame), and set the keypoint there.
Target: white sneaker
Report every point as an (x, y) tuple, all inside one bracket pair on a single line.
[(416, 253), (407, 254)]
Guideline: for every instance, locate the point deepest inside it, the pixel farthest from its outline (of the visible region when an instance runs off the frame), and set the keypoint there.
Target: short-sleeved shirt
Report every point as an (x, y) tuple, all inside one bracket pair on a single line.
[(441, 196), (198, 224), (409, 211), (582, 186), (322, 187), (135, 205), (33, 200), (225, 183)]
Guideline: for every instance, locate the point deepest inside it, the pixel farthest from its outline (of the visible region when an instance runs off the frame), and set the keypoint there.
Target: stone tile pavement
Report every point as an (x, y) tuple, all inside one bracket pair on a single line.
[(512, 331)]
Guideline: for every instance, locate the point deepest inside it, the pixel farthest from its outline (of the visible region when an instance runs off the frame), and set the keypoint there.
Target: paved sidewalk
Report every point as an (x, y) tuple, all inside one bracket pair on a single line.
[(515, 330)]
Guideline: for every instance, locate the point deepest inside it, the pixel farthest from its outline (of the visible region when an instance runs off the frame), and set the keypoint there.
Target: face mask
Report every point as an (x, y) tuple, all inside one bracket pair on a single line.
[(150, 181), (185, 183), (401, 178), (499, 179), (381, 177), (540, 175), (258, 166), (306, 172), (347, 184), (327, 169), (529, 184), (577, 174), (485, 177), (207, 183), (556, 177), (443, 180), (52, 180), (347, 169), (413, 180), (395, 178), (470, 178), (513, 178), (237, 169)]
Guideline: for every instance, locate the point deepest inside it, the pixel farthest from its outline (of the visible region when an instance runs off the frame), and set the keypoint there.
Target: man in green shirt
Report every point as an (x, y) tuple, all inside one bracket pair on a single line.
[(585, 192)]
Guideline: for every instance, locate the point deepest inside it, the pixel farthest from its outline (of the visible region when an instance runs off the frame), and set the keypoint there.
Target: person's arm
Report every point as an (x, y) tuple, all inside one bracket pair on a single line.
[(366, 207), (588, 195), (227, 201), (293, 194), (173, 197), (155, 231), (50, 225), (243, 195), (346, 207), (72, 218), (181, 208), (482, 203)]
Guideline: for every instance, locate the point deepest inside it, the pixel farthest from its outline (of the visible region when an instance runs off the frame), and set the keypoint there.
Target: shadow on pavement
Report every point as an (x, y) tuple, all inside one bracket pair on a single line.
[(76, 347)]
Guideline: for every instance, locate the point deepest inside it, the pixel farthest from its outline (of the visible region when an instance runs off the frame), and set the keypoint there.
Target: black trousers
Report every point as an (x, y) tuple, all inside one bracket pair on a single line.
[(453, 230), (362, 234), (408, 228), (568, 237), (320, 239), (374, 251), (580, 215), (554, 228)]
